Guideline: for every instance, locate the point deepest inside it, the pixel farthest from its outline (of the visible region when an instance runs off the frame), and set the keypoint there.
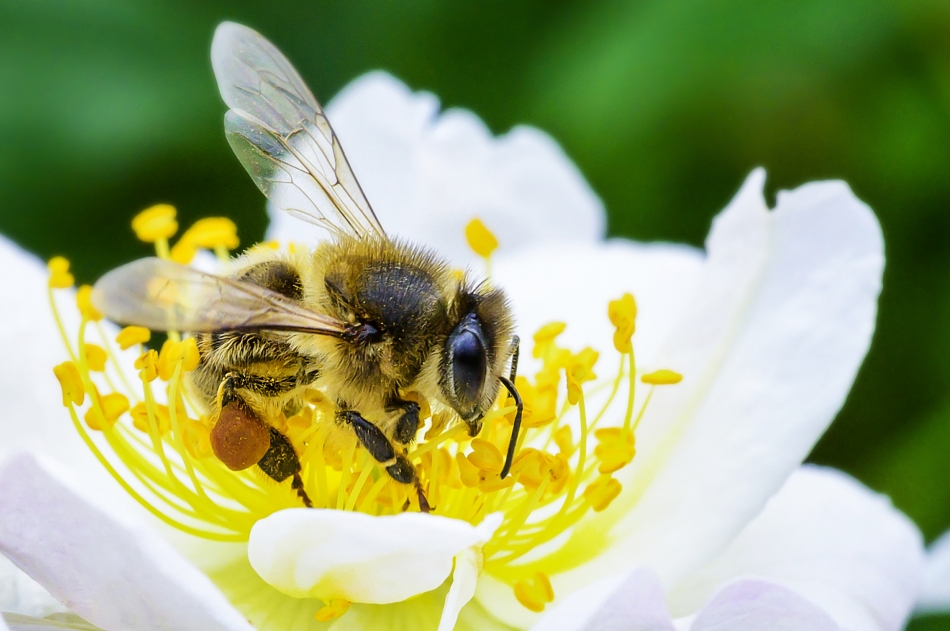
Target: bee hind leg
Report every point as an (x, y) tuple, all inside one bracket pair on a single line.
[(281, 462), (381, 449), (240, 438)]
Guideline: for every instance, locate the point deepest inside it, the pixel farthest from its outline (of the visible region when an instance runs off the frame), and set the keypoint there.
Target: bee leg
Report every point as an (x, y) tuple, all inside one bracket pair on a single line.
[(240, 438), (374, 440), (281, 462), (408, 423)]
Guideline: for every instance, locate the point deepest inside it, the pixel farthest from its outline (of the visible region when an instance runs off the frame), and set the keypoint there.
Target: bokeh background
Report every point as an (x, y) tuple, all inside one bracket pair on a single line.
[(108, 106)]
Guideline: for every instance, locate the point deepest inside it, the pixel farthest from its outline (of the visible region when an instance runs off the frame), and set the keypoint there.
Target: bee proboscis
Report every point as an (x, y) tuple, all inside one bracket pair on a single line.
[(362, 318)]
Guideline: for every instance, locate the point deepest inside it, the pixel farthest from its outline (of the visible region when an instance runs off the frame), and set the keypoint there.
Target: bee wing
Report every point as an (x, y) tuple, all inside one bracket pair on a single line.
[(282, 137), (164, 296)]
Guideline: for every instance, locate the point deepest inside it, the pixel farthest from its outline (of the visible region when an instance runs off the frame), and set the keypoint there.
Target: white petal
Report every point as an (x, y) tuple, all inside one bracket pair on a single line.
[(33, 414), (105, 566), (834, 542), (339, 554), (935, 593), (20, 594), (626, 602), (573, 284), (427, 175), (768, 348), (761, 606), (464, 580)]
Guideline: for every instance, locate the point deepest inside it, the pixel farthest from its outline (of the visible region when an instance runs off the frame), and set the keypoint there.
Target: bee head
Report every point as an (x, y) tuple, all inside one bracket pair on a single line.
[(475, 354)]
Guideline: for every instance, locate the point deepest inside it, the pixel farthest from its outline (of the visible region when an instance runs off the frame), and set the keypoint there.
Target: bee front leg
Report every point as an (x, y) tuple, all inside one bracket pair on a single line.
[(381, 449), (408, 422)]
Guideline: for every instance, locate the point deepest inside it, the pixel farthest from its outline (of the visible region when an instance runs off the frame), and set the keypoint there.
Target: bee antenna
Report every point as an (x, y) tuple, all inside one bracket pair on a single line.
[(513, 391), (516, 427)]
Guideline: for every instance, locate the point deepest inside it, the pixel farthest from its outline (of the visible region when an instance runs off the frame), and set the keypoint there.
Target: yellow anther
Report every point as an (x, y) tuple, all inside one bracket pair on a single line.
[(139, 414), (96, 358), (173, 352), (468, 472), (480, 238), (531, 467), (84, 304), (71, 383), (549, 331), (155, 223), (623, 314), (536, 594), (601, 492), (132, 335), (486, 456), (544, 339), (147, 363), (662, 377), (210, 233), (333, 610), (58, 265), (197, 438), (112, 406), (495, 483), (564, 440), (189, 354), (59, 277), (622, 310), (540, 405), (615, 448), (580, 369)]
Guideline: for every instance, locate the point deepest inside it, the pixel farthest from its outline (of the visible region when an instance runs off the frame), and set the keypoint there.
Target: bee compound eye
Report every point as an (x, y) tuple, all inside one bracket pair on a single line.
[(469, 362), (239, 439)]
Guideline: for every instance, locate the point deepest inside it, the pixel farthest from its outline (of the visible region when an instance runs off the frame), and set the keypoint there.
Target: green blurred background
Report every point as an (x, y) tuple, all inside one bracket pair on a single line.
[(108, 106)]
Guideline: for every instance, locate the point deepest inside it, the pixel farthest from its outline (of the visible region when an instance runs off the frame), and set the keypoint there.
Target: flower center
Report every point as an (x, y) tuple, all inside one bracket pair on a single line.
[(149, 435)]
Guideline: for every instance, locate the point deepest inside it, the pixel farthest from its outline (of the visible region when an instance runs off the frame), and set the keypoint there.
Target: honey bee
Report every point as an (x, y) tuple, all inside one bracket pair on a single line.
[(363, 318)]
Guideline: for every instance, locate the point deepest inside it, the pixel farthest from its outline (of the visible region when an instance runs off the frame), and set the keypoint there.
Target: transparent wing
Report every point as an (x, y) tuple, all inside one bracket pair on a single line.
[(164, 296), (282, 137)]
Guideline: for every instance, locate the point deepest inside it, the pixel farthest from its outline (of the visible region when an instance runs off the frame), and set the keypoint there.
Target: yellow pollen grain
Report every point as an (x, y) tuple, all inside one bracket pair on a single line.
[(480, 238), (132, 335), (84, 304), (71, 383), (333, 610), (662, 378), (96, 357), (602, 492), (59, 278), (155, 223)]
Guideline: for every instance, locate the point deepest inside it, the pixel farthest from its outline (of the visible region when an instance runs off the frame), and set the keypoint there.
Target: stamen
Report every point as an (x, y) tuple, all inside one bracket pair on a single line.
[(155, 443)]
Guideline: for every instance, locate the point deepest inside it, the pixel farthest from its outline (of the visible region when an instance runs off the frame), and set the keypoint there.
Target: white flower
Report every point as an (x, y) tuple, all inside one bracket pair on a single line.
[(716, 521), (935, 593)]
